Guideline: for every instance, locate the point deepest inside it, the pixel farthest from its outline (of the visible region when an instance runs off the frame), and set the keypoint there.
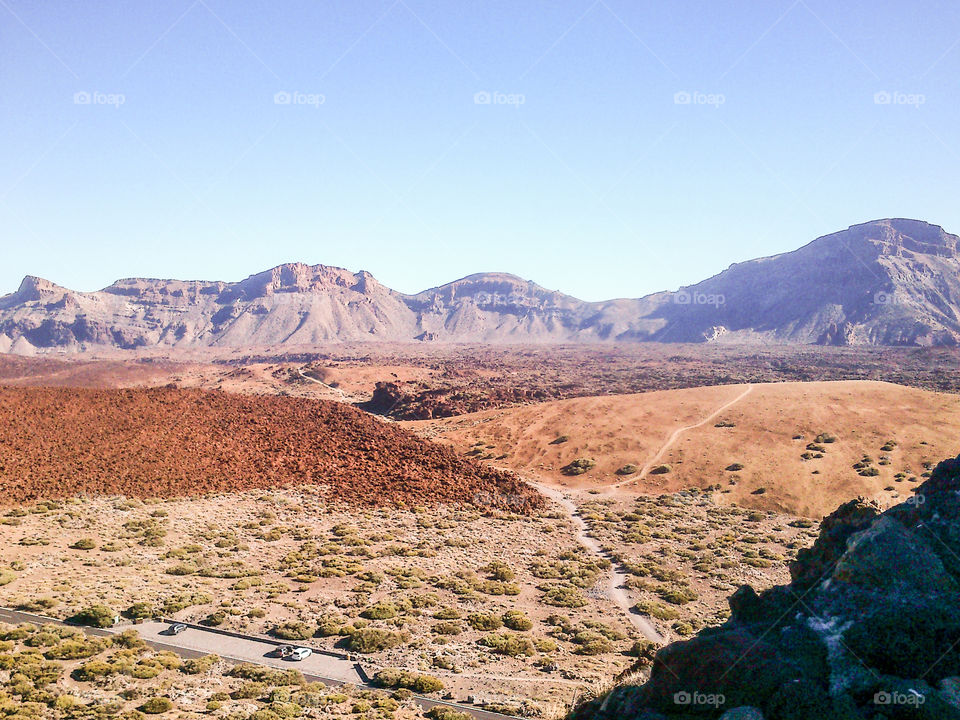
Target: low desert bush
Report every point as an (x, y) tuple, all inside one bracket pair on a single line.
[(294, 630), (578, 466), (99, 616), (517, 620), (370, 640), (394, 679)]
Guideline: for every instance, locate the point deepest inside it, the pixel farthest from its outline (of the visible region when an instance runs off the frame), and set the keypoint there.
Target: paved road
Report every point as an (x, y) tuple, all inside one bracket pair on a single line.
[(248, 649), (195, 643)]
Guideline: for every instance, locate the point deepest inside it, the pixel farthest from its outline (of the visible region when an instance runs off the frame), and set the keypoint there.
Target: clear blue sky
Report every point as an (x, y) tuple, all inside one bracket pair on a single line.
[(599, 183)]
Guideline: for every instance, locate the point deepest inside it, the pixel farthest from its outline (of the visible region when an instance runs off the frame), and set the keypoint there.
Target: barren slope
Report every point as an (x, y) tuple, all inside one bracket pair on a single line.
[(57, 442), (633, 429)]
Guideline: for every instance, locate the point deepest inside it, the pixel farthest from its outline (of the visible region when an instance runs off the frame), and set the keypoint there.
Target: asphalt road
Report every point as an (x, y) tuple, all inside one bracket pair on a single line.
[(195, 643)]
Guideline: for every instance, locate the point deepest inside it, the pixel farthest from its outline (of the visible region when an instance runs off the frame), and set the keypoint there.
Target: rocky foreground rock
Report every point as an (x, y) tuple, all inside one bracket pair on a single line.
[(868, 628)]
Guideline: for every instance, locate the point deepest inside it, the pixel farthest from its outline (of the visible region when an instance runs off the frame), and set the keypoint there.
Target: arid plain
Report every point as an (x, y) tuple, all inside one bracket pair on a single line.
[(658, 500)]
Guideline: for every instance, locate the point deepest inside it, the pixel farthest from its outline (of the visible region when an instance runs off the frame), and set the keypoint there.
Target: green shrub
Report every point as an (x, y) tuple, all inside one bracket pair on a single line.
[(181, 569), (393, 678), (627, 469), (199, 666), (499, 571), (446, 713), (564, 596), (484, 621), (734, 467), (676, 595), (84, 544), (370, 640), (156, 706), (517, 620), (508, 644), (656, 610), (381, 611), (447, 627), (578, 466), (92, 670), (295, 630), (139, 611), (99, 616), (560, 439), (660, 470)]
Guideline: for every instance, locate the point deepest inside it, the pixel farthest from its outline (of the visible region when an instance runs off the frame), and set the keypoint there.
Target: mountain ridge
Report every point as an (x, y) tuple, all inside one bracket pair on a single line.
[(886, 282)]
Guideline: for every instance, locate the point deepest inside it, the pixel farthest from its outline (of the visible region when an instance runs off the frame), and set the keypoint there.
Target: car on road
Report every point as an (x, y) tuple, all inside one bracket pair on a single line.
[(301, 654), (177, 628), (286, 651)]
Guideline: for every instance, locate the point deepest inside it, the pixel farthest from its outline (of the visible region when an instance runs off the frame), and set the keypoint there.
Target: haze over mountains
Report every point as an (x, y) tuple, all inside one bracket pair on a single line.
[(887, 282)]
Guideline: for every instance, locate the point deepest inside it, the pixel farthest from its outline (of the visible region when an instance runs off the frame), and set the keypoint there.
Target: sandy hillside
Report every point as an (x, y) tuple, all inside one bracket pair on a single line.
[(634, 429)]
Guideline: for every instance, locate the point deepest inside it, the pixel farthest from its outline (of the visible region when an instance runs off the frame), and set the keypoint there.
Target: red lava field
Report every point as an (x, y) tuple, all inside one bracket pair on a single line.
[(60, 442)]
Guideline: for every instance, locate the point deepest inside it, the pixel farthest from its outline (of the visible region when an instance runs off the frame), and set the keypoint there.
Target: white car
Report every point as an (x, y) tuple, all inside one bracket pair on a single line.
[(301, 654), (177, 628)]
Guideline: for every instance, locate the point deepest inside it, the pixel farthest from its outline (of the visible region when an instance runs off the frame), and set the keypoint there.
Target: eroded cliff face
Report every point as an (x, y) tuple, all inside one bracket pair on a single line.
[(888, 282), (869, 627)]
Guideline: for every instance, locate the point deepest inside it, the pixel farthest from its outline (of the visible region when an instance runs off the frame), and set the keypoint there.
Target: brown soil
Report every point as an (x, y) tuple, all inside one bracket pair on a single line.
[(57, 442), (752, 452)]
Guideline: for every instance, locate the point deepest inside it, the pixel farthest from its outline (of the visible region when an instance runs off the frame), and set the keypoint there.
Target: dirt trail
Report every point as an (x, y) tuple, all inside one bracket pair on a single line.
[(673, 438), (618, 577), (343, 395), (615, 589)]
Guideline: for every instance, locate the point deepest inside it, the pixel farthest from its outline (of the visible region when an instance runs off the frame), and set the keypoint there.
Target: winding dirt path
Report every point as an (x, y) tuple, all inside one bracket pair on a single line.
[(617, 578), (675, 436), (615, 587)]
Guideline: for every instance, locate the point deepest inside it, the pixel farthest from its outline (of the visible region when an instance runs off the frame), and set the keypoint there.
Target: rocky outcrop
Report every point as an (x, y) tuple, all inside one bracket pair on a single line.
[(888, 282), (868, 628)]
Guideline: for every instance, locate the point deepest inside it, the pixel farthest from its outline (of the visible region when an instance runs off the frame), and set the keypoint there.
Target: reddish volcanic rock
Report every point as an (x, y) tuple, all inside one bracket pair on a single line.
[(57, 442)]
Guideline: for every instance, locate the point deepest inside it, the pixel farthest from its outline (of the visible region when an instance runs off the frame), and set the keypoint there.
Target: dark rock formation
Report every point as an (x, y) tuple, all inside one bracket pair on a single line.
[(868, 628)]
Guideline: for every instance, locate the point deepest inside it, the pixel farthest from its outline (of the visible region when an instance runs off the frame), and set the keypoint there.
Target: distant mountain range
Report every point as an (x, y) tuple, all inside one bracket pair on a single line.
[(887, 282)]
